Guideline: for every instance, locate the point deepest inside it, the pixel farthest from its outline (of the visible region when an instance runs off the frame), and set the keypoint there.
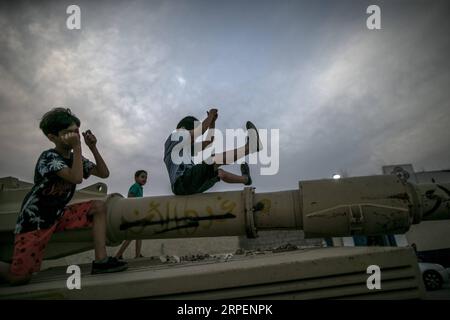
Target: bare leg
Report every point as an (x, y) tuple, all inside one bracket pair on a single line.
[(231, 156), (138, 248), (122, 249), (98, 210), (230, 177)]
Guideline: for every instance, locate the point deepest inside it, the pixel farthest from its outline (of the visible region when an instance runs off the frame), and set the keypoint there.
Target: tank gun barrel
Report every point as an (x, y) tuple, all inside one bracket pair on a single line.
[(371, 205)]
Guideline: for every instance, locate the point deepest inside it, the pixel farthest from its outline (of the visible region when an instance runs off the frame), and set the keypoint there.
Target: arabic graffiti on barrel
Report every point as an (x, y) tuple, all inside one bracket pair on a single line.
[(169, 220), (191, 221)]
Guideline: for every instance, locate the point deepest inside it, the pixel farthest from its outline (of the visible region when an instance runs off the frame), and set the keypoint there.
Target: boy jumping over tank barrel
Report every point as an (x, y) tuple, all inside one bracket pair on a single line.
[(189, 178)]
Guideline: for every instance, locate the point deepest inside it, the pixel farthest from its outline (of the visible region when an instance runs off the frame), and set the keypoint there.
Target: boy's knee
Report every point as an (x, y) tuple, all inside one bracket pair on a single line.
[(221, 174)]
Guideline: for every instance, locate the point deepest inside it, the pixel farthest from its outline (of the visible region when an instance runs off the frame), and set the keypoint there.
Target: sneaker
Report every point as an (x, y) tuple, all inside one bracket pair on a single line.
[(245, 171), (253, 135), (111, 265)]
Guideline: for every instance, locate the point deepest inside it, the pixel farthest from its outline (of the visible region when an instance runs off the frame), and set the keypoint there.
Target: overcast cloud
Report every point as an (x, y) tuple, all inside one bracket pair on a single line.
[(344, 97)]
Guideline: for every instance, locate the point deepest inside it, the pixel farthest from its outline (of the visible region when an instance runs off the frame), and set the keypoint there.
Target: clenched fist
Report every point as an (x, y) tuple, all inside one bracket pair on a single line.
[(72, 139), (214, 113), (89, 139)]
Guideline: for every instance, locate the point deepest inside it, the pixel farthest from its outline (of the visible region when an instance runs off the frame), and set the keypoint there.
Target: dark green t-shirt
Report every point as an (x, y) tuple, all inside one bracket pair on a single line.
[(136, 190)]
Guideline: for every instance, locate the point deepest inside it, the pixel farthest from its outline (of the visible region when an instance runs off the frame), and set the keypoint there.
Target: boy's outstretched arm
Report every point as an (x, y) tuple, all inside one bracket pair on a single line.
[(210, 137), (101, 169), (74, 174), (206, 124)]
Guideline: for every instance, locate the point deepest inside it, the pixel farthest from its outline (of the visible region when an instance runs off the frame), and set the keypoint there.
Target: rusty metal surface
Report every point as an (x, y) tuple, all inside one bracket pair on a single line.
[(362, 205)]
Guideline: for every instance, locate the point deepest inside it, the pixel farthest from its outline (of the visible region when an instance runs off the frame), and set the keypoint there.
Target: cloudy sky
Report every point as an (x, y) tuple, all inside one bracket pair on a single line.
[(344, 97)]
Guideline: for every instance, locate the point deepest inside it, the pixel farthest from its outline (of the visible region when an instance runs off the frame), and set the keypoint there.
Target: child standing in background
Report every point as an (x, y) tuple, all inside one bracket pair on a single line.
[(135, 191)]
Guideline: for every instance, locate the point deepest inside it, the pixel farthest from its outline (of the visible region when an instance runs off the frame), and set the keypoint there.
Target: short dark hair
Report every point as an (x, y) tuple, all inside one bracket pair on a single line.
[(57, 119), (187, 123), (138, 173)]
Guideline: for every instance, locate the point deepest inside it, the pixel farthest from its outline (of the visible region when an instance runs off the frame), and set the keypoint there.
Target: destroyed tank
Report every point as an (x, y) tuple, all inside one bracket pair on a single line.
[(370, 205)]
